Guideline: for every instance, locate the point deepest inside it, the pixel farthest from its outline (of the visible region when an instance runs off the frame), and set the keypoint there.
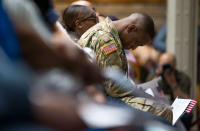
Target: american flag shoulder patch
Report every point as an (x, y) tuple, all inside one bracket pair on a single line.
[(109, 48)]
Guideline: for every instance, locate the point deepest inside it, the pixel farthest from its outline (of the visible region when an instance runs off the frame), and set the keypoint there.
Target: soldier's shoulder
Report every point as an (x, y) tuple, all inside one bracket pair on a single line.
[(105, 37)]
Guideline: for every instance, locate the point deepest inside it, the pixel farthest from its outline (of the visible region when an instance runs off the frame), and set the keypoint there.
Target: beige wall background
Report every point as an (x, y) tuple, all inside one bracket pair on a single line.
[(122, 8)]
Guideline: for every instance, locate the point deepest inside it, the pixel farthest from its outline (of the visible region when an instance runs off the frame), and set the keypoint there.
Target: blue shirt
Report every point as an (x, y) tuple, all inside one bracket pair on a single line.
[(8, 38)]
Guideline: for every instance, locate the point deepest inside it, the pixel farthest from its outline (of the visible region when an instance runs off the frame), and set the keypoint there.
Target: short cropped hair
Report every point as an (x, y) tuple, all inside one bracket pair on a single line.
[(76, 12), (148, 25)]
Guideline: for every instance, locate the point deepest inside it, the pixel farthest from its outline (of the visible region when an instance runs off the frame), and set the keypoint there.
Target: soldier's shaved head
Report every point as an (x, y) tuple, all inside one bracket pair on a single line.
[(145, 21), (135, 30)]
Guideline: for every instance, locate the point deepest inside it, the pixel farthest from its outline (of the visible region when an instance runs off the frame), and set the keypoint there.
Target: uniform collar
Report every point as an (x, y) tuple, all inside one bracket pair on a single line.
[(111, 27)]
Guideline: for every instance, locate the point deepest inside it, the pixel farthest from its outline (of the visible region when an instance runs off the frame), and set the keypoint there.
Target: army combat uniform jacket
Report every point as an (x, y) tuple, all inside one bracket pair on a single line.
[(104, 40)]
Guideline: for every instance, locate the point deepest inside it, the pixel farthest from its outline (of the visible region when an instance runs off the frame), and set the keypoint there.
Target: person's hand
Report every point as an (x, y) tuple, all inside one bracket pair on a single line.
[(76, 59), (35, 52), (77, 62)]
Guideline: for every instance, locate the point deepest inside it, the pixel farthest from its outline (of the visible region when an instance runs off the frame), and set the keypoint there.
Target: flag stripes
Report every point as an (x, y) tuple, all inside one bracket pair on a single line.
[(190, 106)]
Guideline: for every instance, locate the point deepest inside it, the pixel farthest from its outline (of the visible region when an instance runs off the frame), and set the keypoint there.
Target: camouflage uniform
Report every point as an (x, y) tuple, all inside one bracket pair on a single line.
[(104, 40)]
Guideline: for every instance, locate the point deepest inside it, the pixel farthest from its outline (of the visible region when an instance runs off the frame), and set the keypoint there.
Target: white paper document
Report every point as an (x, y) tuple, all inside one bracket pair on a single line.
[(179, 106)]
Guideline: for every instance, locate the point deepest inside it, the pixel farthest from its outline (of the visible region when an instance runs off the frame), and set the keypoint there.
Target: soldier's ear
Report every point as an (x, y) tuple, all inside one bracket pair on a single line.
[(131, 28)]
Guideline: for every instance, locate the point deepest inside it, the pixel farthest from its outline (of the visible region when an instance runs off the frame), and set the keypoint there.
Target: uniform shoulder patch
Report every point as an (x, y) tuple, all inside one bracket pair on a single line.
[(109, 48)]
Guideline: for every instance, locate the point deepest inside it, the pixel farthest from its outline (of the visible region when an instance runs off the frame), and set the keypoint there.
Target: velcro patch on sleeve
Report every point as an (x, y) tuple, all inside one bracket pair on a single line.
[(109, 48)]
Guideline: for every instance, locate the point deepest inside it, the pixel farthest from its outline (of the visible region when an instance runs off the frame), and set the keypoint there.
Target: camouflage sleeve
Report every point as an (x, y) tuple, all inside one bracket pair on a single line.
[(108, 55)]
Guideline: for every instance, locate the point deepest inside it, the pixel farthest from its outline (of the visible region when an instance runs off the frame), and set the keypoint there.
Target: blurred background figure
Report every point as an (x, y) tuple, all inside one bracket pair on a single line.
[(174, 83), (146, 60), (62, 50), (18, 112)]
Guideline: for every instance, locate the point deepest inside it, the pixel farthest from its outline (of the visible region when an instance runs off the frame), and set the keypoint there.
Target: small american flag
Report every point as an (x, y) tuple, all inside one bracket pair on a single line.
[(190, 106), (109, 48)]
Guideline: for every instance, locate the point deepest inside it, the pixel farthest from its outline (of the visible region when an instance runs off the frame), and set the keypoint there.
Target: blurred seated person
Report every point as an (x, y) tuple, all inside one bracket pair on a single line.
[(174, 82), (61, 53), (77, 19), (84, 14), (17, 111), (146, 59)]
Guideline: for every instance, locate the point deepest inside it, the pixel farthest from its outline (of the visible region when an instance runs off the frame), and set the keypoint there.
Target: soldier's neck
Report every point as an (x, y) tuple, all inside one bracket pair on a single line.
[(118, 26)]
